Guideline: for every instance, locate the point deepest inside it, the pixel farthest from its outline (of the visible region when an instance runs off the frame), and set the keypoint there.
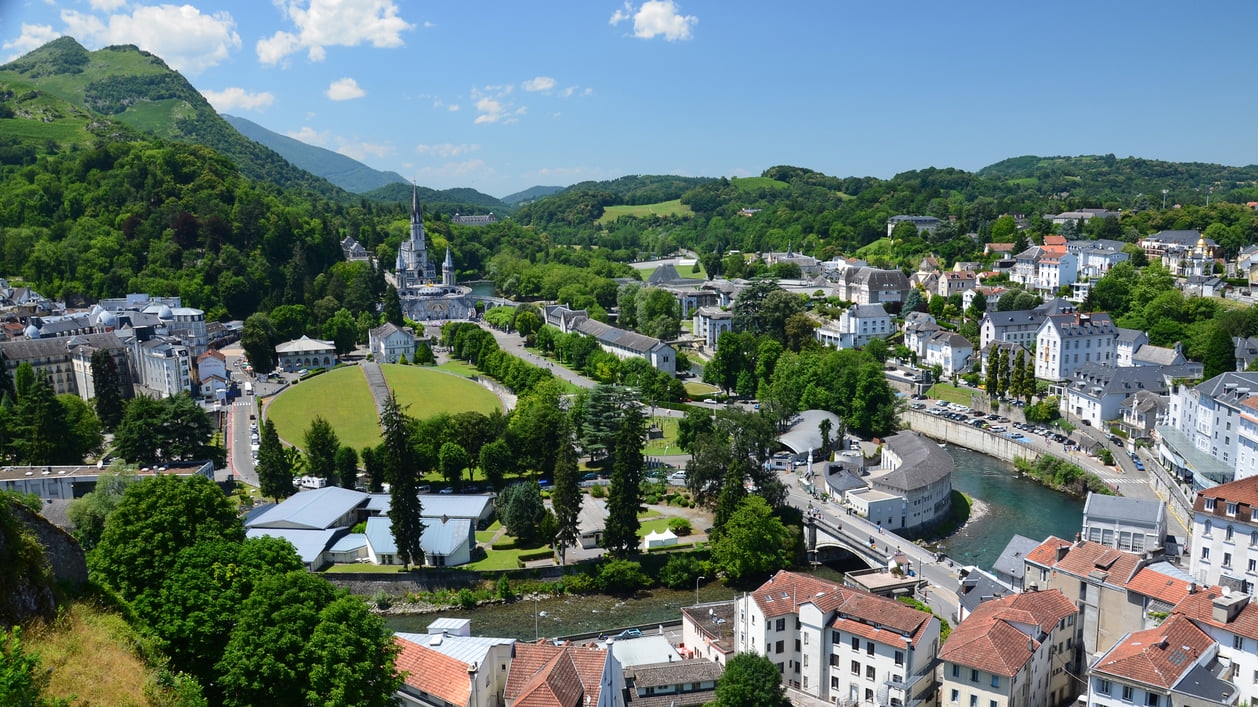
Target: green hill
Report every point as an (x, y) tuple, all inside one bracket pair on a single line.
[(1106, 179), (345, 172), (529, 195), (447, 201), (138, 90)]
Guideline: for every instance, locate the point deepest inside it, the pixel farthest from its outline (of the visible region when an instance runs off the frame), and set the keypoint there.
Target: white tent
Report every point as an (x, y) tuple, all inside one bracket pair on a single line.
[(654, 539)]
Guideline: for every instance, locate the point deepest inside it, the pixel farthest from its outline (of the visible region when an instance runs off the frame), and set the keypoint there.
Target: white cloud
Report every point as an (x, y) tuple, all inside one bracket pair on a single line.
[(235, 97), (540, 83), (185, 38), (429, 25), (493, 105), (446, 150), (310, 136), (333, 23), (106, 5), (655, 18), (362, 150), (455, 172), (345, 89), (32, 37)]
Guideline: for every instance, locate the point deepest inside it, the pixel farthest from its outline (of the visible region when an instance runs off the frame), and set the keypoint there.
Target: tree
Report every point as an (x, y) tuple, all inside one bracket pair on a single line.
[(978, 305), (40, 424), (913, 301), (750, 680), (521, 509), (371, 465), (393, 307), (321, 447), (22, 680), (1016, 375), (342, 331), (274, 475), (992, 382), (108, 384), (347, 467), (566, 499), (400, 464), (171, 429), (258, 339), (90, 512), (732, 494), (1220, 353), (753, 542), (154, 521), (452, 460), (351, 656), (496, 461), (620, 535)]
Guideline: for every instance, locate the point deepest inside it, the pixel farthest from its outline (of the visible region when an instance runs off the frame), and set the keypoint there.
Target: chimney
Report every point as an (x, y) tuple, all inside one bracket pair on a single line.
[(1061, 552), (1192, 587), (1227, 607)]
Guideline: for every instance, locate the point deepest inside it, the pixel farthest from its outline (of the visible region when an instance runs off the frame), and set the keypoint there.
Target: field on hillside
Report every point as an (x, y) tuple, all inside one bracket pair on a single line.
[(754, 183), (343, 399), (663, 208), (88, 656)]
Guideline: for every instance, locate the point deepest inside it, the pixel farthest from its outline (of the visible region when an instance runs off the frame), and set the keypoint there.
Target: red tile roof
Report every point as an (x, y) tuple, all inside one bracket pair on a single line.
[(1086, 558), (432, 672), (783, 594), (1199, 606), (1152, 583), (1243, 492), (545, 675), (1045, 554), (1157, 656), (785, 591), (990, 640)]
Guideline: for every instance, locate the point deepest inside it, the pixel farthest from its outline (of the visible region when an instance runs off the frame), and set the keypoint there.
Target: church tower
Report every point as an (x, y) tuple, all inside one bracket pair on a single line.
[(423, 270), (447, 270)]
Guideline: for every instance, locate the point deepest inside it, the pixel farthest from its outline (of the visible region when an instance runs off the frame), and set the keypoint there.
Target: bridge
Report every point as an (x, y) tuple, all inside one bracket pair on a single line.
[(820, 533)]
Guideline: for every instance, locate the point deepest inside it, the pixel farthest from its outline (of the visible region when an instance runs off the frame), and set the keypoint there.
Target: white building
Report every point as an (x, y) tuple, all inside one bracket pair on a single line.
[(388, 343), (1167, 666), (956, 282), (449, 666), (212, 375), (835, 643), (856, 327), (1066, 341), (1019, 326), (918, 328), (629, 344), (305, 353), (1127, 524), (164, 366), (1225, 535), (923, 224), (1230, 619), (710, 322), (912, 484), (1096, 392), (1045, 268), (1208, 414), (952, 351)]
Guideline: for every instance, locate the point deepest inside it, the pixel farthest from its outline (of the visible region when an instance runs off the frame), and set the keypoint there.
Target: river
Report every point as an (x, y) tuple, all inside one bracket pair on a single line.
[(1012, 504)]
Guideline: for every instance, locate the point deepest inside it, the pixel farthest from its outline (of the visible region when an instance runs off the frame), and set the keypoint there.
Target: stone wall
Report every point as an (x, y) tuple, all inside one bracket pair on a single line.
[(65, 555), (993, 445)]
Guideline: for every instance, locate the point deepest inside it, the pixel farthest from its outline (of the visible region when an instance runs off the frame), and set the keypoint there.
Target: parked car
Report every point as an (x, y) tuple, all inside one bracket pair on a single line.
[(589, 476), (629, 633)]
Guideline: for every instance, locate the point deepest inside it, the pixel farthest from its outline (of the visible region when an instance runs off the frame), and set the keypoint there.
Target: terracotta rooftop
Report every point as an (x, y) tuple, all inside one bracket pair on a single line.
[(881, 617), (1152, 583), (1199, 606), (1242, 491), (546, 675), (1157, 656), (434, 673), (1084, 559), (990, 639)]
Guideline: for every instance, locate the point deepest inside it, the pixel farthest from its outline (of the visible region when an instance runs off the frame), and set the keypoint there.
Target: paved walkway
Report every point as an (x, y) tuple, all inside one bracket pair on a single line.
[(376, 384)]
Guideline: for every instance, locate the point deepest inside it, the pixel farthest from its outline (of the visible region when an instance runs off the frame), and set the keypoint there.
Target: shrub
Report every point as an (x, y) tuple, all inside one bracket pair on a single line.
[(681, 571), (679, 526), (598, 491), (623, 577), (467, 599), (580, 584), (381, 600), (544, 553), (504, 589)]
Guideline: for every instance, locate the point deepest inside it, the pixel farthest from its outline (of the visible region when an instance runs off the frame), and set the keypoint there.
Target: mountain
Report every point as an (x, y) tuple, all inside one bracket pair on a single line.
[(345, 172), (447, 201), (530, 194), (139, 91), (1106, 178)]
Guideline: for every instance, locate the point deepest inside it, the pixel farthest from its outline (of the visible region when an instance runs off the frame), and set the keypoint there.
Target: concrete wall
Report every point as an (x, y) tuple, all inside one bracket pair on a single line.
[(993, 445)]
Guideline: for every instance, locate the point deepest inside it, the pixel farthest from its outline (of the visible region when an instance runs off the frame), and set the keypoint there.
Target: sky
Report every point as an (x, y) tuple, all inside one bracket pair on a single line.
[(502, 95)]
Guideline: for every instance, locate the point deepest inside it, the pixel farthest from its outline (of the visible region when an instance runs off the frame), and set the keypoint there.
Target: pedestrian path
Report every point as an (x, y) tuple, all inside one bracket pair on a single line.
[(376, 384)]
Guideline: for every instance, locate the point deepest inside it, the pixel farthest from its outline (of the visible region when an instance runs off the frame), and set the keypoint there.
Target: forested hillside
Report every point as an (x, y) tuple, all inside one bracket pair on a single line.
[(446, 201), (134, 88)]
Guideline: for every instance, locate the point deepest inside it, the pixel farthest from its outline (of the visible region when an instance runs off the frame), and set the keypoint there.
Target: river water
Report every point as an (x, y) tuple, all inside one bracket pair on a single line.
[(1011, 504)]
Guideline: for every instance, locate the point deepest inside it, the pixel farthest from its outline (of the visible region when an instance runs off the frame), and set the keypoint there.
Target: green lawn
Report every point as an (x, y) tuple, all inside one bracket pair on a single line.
[(657, 525), (663, 208), (695, 389), (666, 444), (952, 394), (486, 535), (353, 411), (757, 183), (353, 415), (429, 392), (459, 368)]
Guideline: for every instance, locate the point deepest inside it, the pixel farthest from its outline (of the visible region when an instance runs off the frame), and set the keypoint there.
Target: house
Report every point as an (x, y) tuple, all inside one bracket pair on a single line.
[(990, 294), (1179, 246), (388, 343), (212, 374), (547, 675), (1246, 351), (923, 224), (1096, 392), (563, 318), (1008, 652), (1126, 343), (1128, 524), (951, 351), (835, 643), (707, 631), (1204, 286), (1000, 250), (67, 361), (956, 282), (474, 219), (1230, 619), (1009, 568), (1009, 350), (856, 326), (1247, 265), (1066, 341), (450, 667), (164, 366), (1142, 413), (1149, 355), (1081, 215), (868, 285), (1019, 326), (353, 250), (1225, 535), (976, 587), (1173, 664), (1045, 268), (305, 353), (710, 322), (918, 328), (1095, 258), (627, 344), (446, 542), (681, 683), (313, 521)]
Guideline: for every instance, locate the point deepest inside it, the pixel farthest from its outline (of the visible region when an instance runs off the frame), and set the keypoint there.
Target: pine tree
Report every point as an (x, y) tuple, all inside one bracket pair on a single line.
[(393, 307), (566, 498), (321, 445), (625, 497), (105, 378), (1016, 375), (274, 475), (1004, 375), (401, 464), (1028, 379), (993, 371)]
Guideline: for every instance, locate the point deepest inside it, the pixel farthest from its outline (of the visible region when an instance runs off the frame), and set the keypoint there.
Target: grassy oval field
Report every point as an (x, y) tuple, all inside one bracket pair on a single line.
[(343, 399)]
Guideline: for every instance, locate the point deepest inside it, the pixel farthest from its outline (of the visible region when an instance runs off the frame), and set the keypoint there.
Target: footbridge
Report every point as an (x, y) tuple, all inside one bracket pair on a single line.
[(820, 533)]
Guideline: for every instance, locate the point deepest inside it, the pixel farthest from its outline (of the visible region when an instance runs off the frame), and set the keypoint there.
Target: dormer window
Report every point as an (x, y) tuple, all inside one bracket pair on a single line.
[(1231, 509), (1209, 504)]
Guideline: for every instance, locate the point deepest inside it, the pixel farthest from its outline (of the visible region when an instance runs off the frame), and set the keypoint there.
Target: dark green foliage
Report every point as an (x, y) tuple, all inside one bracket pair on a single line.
[(750, 680), (400, 464), (274, 475), (89, 512), (372, 466), (1219, 355), (566, 499), (347, 467), (623, 577), (681, 571), (321, 447), (620, 536), (753, 542), (45, 428), (22, 678), (452, 459), (108, 401), (157, 519), (1063, 476), (521, 510), (168, 430)]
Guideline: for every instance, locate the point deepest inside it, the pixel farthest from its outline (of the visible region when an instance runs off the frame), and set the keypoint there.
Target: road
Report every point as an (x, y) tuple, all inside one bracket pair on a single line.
[(513, 343)]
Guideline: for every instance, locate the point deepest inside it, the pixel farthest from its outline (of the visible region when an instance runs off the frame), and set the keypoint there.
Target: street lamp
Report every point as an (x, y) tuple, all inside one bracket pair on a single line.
[(698, 579)]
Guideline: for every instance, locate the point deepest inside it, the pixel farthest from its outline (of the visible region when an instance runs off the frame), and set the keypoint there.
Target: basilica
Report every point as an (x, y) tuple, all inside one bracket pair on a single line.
[(423, 297)]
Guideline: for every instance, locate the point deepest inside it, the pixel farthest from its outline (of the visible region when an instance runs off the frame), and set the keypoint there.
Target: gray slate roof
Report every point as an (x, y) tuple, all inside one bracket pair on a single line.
[(608, 334), (28, 349), (1137, 510), (1010, 562), (922, 462), (867, 311)]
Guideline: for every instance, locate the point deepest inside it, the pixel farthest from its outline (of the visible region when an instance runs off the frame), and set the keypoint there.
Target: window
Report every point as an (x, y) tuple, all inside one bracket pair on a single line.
[(797, 643), (973, 700), (869, 647), (1205, 553), (834, 661), (805, 639), (1253, 566), (1253, 538), (995, 681), (856, 668), (1227, 534), (1127, 693), (973, 675), (956, 694), (1238, 642), (780, 625), (836, 637), (834, 684), (869, 672), (992, 703), (1103, 686), (869, 695), (856, 643), (1151, 699), (782, 668), (1227, 559), (1209, 506), (899, 657), (1209, 527), (956, 670), (779, 646), (805, 660), (1231, 507)]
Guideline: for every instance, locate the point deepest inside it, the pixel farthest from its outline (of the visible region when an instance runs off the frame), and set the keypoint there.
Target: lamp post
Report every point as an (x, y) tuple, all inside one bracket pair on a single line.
[(537, 634), (698, 579)]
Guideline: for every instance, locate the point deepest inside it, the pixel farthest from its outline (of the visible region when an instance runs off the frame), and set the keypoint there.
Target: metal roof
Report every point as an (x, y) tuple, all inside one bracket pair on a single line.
[(310, 544), (805, 434), (465, 649), (310, 510)]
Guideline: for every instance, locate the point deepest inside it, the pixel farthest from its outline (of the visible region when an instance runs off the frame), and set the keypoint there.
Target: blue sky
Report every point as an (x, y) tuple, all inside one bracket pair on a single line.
[(501, 95)]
